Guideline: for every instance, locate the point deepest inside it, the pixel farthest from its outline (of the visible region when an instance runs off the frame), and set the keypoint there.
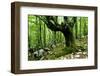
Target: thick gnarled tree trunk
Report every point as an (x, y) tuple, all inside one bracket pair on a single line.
[(69, 38), (65, 27)]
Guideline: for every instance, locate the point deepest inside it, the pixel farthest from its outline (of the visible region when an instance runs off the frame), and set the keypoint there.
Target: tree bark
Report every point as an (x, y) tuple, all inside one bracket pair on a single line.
[(69, 37), (44, 36), (80, 26), (76, 30)]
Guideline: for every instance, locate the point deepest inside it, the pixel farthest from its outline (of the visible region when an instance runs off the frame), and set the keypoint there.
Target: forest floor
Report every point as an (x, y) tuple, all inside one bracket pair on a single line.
[(61, 52)]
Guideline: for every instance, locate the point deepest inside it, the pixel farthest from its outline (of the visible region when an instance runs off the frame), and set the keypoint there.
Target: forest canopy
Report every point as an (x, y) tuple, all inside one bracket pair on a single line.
[(62, 34)]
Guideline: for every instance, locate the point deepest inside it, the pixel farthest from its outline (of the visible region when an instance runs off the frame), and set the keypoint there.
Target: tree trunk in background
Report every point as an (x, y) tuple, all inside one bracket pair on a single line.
[(40, 40), (80, 27), (85, 27), (44, 36), (76, 30), (38, 32)]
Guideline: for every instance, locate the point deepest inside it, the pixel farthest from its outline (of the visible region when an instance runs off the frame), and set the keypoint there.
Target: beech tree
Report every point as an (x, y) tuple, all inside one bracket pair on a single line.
[(66, 27)]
